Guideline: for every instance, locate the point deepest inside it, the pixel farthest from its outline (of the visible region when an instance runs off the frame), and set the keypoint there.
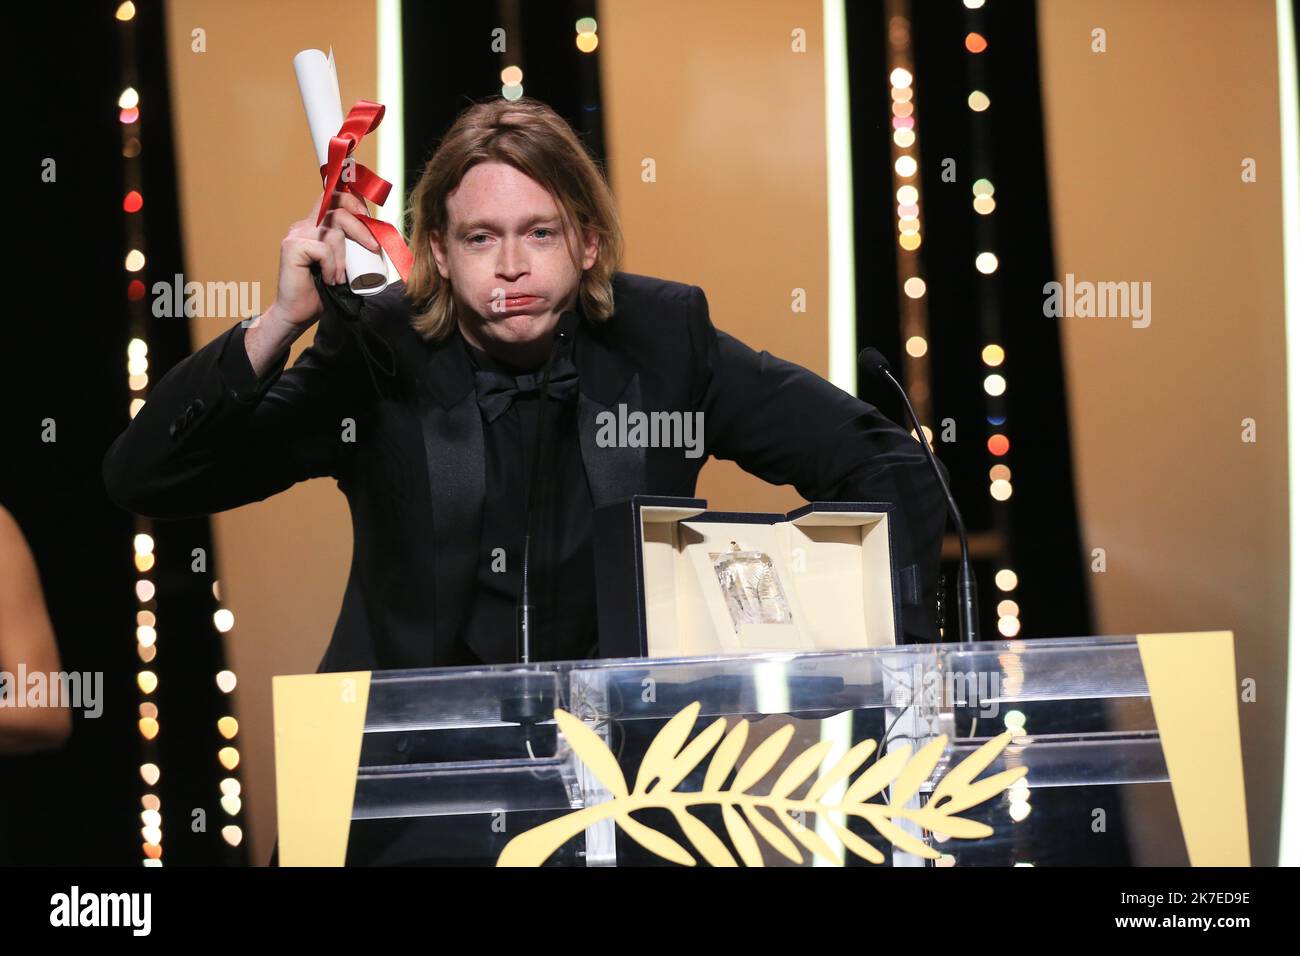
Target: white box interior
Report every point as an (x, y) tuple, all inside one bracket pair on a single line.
[(832, 565)]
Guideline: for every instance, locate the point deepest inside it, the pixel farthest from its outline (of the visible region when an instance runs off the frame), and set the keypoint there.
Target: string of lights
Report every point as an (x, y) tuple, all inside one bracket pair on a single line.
[(137, 366), (905, 147), (143, 543), (512, 76), (994, 358), (993, 354)]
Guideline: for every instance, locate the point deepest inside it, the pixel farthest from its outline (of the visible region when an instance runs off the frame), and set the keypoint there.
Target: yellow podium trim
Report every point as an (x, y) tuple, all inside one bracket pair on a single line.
[(319, 720), (1193, 683)]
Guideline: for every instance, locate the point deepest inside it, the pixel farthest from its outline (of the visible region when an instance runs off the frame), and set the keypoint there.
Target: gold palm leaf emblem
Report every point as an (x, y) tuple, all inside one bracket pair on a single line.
[(670, 758)]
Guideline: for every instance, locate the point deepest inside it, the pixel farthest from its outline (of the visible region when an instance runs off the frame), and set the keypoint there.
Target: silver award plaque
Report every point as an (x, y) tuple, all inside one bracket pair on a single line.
[(750, 587)]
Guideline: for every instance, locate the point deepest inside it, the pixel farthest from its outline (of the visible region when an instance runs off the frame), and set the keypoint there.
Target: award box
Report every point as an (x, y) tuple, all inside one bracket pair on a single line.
[(659, 593)]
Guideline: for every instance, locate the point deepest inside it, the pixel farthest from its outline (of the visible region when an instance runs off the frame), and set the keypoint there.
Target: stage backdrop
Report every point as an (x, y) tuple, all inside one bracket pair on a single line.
[(1145, 146)]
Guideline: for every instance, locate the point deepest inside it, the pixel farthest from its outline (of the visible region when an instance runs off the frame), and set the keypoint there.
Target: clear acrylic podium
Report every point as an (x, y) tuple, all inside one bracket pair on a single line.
[(1124, 751)]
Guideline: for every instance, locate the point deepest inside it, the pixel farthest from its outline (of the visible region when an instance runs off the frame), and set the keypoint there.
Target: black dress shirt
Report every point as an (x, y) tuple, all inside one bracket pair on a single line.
[(561, 569)]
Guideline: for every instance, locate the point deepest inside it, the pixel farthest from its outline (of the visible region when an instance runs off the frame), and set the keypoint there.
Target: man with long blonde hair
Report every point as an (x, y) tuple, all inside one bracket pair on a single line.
[(481, 385)]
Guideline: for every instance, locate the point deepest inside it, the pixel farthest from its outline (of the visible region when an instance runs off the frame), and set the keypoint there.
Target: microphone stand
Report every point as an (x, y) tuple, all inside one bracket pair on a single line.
[(967, 598), (534, 701), (524, 633)]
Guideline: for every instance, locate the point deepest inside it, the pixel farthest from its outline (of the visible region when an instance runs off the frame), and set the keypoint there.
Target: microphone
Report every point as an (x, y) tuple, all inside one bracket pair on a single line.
[(872, 362), (532, 699), (561, 336)]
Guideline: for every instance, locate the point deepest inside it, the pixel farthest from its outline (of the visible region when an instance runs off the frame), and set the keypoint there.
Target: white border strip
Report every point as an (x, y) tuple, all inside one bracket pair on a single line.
[(391, 146), (841, 308), (1289, 841)]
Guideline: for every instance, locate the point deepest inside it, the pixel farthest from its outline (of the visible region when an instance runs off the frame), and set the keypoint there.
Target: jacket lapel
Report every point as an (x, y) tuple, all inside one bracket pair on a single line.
[(605, 380), (453, 447)]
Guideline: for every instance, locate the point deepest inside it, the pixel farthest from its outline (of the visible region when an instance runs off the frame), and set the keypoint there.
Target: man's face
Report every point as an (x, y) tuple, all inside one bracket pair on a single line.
[(509, 266)]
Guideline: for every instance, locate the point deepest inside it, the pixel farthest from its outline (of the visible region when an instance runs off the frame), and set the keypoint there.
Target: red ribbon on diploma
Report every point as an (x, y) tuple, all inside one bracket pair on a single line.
[(363, 118)]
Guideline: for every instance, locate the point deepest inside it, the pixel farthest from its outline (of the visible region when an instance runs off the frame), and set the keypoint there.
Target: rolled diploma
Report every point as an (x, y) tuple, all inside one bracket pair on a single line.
[(318, 82)]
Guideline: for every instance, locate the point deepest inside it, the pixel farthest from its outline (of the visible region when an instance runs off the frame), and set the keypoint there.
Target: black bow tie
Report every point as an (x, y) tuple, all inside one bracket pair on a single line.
[(497, 391)]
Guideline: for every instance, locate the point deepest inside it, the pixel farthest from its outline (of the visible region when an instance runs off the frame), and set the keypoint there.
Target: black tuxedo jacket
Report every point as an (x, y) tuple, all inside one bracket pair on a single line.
[(395, 420)]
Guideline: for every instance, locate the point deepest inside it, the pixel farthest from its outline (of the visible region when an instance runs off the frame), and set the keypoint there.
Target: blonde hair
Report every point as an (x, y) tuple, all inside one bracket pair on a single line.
[(530, 136)]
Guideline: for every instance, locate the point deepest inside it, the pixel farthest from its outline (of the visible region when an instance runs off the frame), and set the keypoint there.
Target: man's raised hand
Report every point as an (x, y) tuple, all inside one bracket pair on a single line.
[(296, 301)]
